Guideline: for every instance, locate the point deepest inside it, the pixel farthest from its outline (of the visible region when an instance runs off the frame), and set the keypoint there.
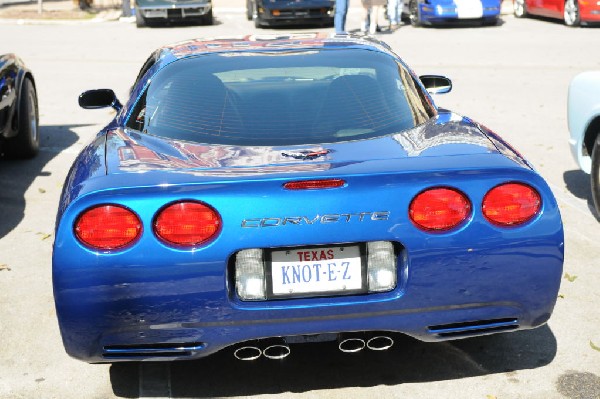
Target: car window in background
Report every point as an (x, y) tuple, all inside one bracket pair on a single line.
[(271, 98)]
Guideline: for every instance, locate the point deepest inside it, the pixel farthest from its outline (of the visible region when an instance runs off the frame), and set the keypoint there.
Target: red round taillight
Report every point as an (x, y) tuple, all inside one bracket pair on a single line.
[(511, 204), (439, 209), (108, 227), (187, 223)]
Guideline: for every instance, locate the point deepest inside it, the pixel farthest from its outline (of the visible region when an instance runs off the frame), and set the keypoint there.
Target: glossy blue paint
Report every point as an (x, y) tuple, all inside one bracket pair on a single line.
[(441, 11), (138, 302)]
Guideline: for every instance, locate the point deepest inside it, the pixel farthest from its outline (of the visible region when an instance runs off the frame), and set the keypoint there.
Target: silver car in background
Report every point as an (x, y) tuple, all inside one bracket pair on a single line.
[(583, 109)]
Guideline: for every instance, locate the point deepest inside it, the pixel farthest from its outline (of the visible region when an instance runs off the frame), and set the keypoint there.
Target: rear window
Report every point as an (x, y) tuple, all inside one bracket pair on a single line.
[(276, 98)]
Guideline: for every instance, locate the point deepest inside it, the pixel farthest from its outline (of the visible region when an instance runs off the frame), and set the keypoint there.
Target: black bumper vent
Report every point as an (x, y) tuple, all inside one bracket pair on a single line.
[(469, 328), (152, 350)]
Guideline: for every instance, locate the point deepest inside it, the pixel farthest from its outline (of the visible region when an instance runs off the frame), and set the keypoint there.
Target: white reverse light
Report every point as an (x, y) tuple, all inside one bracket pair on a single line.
[(250, 275), (381, 266)]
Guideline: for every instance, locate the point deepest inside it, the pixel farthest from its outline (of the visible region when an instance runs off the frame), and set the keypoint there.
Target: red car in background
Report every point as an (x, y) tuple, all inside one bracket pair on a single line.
[(573, 12)]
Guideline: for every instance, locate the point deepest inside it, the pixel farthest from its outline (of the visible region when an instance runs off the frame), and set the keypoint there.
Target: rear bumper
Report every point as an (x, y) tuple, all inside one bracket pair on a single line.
[(174, 311), (290, 14), (181, 12), (445, 14), (161, 343)]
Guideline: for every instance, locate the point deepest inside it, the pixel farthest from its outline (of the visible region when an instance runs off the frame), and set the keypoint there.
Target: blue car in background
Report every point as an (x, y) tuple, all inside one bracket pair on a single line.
[(262, 193), (429, 12)]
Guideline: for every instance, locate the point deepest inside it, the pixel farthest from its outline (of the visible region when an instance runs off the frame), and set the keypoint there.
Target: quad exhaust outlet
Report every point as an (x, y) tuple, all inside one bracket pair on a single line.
[(278, 348)]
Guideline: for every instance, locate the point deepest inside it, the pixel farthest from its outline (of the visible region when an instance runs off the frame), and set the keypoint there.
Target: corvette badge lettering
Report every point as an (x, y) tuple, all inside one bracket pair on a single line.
[(318, 219)]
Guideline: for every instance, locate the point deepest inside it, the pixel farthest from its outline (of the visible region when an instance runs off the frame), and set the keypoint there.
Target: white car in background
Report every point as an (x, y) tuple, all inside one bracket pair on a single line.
[(583, 110)]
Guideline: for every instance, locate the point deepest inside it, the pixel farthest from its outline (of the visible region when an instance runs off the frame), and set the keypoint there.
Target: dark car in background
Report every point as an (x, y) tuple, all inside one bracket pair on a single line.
[(160, 12), (19, 136), (290, 12)]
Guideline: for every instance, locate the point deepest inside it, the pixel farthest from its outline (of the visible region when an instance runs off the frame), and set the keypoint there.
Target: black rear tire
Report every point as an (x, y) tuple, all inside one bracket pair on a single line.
[(140, 22), (208, 19), (595, 174), (414, 17), (493, 21), (26, 143), (258, 23)]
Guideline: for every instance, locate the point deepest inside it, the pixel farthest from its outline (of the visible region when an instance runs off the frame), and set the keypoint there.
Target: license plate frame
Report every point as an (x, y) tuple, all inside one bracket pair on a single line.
[(361, 252)]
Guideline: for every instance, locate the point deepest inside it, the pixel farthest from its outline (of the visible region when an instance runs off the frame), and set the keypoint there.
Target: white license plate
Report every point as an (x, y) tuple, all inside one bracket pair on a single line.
[(155, 13), (304, 271), (467, 9)]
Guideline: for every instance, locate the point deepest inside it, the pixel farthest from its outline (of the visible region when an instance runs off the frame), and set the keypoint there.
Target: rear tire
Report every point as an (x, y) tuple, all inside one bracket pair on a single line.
[(208, 19), (258, 22), (520, 8), (595, 175), (414, 17), (490, 21), (140, 22), (26, 143), (571, 13)]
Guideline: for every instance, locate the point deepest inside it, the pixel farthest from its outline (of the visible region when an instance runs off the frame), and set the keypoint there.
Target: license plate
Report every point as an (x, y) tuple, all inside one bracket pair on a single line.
[(155, 13), (467, 9), (314, 271)]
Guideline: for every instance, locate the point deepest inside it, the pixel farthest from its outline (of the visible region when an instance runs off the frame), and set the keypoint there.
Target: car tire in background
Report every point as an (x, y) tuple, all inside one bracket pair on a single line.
[(571, 13), (520, 8), (492, 21), (249, 9), (595, 174), (26, 143), (258, 23), (207, 19), (414, 17), (140, 22)]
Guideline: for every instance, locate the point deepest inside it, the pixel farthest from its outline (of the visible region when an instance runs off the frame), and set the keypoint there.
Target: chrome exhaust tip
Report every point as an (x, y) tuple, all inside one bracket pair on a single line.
[(247, 352), (277, 350), (351, 343), (380, 343)]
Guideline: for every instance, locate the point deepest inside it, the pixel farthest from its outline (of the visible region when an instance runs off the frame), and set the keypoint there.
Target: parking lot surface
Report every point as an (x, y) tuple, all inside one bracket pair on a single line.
[(512, 77)]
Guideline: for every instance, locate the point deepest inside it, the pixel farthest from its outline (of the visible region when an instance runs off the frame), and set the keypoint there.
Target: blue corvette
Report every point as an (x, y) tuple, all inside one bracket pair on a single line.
[(429, 12), (257, 194)]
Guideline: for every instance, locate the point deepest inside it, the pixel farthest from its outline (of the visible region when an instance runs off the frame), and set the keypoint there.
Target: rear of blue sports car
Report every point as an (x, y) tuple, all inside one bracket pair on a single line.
[(256, 199)]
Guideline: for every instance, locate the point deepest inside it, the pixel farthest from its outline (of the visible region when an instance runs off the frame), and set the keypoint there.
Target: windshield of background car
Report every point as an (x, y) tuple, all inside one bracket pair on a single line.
[(281, 98)]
